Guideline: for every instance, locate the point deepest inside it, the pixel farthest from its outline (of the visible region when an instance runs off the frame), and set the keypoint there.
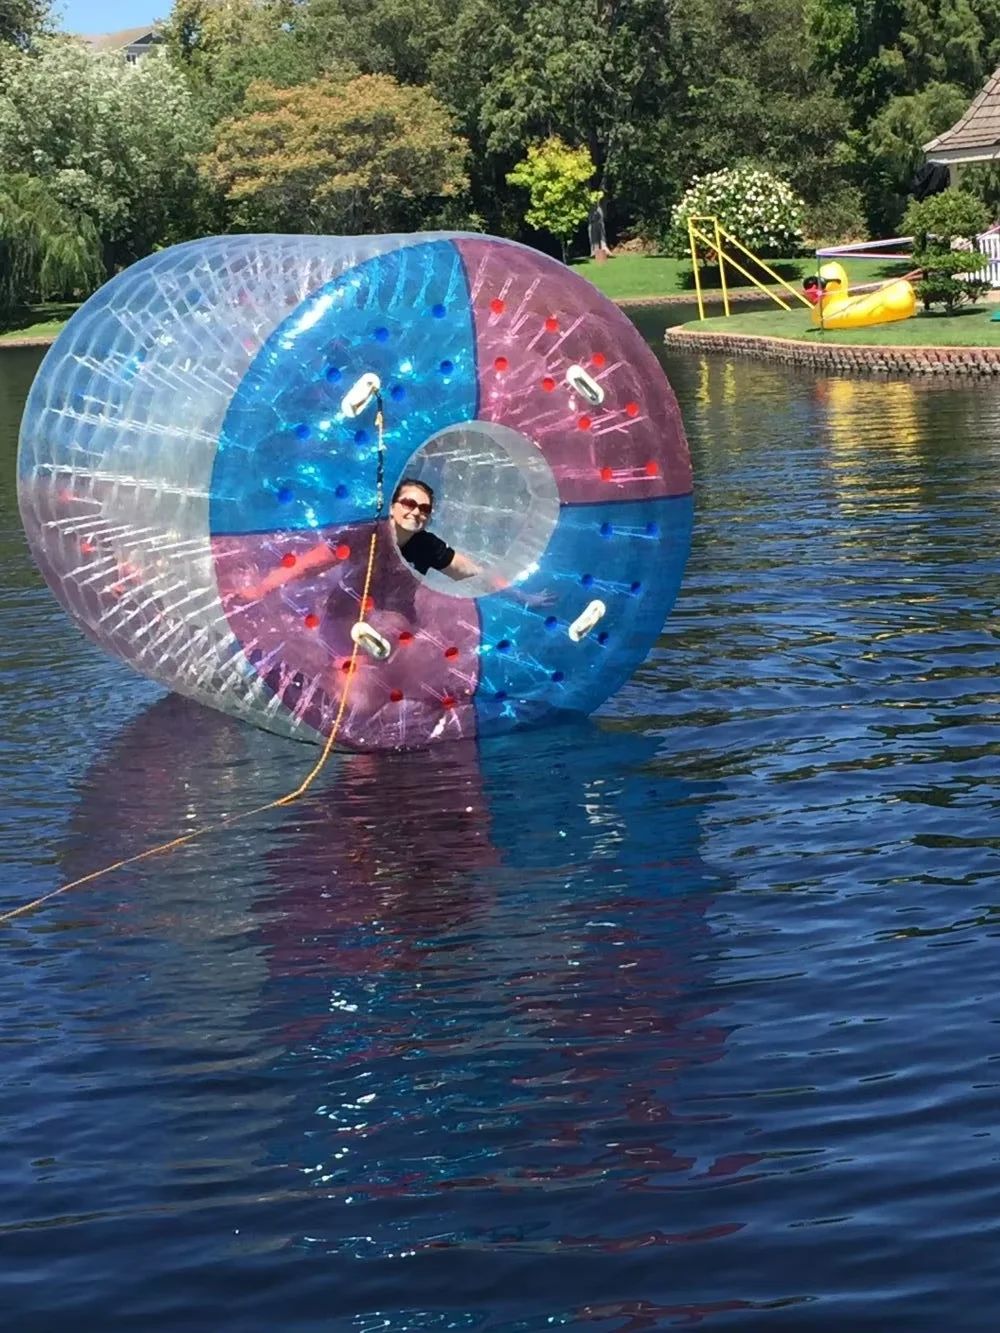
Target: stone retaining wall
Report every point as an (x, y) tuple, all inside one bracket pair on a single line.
[(978, 362)]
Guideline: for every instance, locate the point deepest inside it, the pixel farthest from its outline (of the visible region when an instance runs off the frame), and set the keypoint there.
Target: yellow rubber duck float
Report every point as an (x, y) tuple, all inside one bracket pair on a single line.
[(837, 309)]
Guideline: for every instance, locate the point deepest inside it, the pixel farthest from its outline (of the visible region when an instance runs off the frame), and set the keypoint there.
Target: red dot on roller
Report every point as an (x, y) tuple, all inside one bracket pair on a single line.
[(288, 560), (347, 666), (405, 638), (598, 359), (448, 701), (632, 409), (396, 696), (584, 423), (497, 306), (451, 654), (606, 474), (88, 548), (548, 384), (551, 324), (368, 605), (311, 621), (501, 364), (342, 551), (652, 469)]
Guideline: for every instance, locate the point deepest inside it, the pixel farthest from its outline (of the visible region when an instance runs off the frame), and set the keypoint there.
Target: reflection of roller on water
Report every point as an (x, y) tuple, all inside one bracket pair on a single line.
[(470, 1000)]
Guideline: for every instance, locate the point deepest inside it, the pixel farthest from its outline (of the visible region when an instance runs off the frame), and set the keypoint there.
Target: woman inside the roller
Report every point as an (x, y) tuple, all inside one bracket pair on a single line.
[(410, 511)]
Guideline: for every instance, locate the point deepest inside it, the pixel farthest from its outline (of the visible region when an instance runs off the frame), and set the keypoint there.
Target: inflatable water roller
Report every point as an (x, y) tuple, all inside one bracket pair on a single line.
[(232, 406)]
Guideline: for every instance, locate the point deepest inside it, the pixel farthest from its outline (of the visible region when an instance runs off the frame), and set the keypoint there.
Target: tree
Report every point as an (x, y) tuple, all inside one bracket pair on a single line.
[(223, 46), (112, 141), (23, 20), (556, 177), (520, 71), (367, 155), (906, 69), (45, 250), (944, 229)]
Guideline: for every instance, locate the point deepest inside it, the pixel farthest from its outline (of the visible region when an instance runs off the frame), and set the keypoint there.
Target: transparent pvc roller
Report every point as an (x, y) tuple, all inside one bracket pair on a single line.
[(190, 432)]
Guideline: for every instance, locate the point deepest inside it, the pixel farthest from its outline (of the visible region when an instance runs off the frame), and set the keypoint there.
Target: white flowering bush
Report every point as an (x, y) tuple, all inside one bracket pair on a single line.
[(758, 208)]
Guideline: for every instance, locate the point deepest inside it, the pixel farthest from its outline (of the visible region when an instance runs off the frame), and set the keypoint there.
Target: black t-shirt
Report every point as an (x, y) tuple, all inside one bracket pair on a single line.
[(424, 551)]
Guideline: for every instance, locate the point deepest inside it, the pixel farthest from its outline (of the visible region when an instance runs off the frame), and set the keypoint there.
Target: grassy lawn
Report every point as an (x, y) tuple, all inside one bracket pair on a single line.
[(971, 327), (39, 321), (636, 277)]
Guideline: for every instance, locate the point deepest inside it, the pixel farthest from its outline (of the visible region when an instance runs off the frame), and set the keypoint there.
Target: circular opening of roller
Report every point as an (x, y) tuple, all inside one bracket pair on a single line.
[(495, 500)]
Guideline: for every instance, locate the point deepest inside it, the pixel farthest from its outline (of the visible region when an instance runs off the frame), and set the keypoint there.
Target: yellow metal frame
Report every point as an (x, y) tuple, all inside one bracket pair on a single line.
[(715, 242)]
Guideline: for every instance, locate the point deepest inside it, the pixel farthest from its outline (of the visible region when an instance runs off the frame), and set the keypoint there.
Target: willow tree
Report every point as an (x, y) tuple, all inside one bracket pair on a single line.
[(46, 250)]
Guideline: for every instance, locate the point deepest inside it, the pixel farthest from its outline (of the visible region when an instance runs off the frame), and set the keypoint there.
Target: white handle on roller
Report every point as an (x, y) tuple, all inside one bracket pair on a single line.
[(586, 620), (360, 394)]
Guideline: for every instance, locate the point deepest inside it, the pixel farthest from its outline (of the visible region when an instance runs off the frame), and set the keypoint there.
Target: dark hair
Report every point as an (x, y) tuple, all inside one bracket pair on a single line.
[(412, 481)]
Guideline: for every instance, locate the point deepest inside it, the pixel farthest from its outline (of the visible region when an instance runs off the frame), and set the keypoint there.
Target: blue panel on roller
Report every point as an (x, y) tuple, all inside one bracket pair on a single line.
[(630, 555), (288, 458)]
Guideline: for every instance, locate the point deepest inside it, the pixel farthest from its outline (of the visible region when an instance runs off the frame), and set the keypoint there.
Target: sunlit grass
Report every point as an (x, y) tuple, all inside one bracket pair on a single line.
[(649, 277), (38, 321), (970, 327)]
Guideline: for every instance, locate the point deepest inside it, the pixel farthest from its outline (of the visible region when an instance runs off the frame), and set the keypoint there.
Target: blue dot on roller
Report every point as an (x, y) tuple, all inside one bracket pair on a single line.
[(397, 393), (635, 588), (500, 696), (446, 367), (341, 492), (503, 646), (438, 311), (360, 437), (557, 676), (551, 622), (587, 580), (381, 335), (602, 638), (607, 530), (652, 529), (285, 495), (302, 431), (333, 374)]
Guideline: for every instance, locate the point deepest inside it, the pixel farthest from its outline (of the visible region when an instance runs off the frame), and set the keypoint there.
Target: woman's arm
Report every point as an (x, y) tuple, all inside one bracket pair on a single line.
[(461, 567)]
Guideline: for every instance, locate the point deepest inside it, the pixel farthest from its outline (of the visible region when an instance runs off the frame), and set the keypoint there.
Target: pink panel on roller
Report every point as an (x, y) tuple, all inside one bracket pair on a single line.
[(533, 320), (297, 635)]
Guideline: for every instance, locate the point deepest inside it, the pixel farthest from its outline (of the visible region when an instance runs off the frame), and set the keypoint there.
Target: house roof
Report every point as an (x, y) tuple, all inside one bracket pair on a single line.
[(976, 136), (117, 41)]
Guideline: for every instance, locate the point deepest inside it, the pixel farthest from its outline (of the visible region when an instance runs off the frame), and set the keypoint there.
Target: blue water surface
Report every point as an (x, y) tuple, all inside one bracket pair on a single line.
[(685, 1016)]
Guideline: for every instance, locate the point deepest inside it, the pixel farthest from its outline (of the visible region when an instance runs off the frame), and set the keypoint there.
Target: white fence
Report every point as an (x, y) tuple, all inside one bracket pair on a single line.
[(989, 245)]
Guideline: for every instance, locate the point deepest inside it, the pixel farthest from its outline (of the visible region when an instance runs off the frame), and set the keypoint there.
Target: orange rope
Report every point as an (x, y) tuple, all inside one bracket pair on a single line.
[(287, 799)]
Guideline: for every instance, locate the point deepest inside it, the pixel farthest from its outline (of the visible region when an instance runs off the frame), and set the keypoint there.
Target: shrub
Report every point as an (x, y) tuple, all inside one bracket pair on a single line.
[(944, 228), (757, 207), (941, 283)]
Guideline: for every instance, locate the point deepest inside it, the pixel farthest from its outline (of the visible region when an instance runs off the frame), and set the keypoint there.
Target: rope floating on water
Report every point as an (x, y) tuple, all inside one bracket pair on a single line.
[(289, 797)]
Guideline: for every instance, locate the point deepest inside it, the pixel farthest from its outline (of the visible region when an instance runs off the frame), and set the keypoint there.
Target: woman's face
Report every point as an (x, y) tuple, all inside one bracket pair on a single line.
[(411, 510)]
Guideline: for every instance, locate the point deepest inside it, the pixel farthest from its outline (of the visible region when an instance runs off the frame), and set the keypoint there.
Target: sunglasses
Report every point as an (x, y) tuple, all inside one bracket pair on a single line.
[(409, 504)]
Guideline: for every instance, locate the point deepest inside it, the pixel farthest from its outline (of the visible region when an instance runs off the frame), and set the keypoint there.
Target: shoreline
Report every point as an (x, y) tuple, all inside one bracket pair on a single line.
[(868, 359)]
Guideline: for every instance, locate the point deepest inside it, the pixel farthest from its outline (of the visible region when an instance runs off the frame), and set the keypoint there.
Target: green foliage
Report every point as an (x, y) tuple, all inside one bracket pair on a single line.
[(838, 217), (905, 71), (223, 48), (556, 177), (365, 155), (23, 20), (111, 141), (45, 250), (758, 208), (953, 214), (944, 228), (949, 279)]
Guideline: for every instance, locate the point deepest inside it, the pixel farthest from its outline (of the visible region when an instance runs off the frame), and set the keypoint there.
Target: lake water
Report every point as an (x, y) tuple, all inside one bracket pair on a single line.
[(687, 1015)]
